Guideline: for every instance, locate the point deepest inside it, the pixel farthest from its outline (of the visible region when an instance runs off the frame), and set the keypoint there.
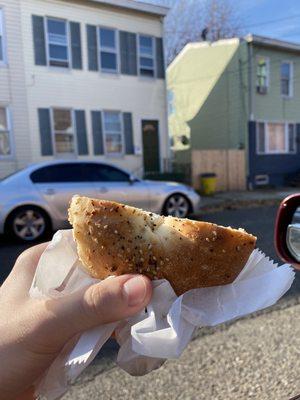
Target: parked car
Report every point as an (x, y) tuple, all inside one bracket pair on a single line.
[(35, 200)]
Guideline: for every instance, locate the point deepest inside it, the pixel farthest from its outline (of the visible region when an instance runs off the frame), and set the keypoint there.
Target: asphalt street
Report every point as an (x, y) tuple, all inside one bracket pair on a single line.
[(256, 357)]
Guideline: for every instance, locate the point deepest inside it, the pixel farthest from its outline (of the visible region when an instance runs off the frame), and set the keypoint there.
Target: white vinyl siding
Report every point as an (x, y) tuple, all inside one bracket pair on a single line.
[(63, 132), (286, 78), (275, 138), (58, 48), (108, 49), (262, 74), (5, 133), (146, 56), (113, 133)]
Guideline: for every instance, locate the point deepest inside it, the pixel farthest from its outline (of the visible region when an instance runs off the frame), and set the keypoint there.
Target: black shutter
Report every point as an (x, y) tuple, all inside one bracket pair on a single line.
[(76, 45), (128, 133), (92, 47), (82, 144), (97, 132), (128, 53), (297, 138), (45, 132), (38, 31), (160, 64)]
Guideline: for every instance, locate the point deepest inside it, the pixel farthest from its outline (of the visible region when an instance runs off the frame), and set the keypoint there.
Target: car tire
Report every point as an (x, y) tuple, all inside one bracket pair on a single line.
[(177, 205), (28, 224)]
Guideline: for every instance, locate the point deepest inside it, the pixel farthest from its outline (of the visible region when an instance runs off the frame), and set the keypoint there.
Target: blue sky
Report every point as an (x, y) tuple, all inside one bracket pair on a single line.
[(260, 12), (257, 16)]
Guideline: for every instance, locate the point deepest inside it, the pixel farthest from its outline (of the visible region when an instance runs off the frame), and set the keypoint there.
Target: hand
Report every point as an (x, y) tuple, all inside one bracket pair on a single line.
[(33, 332)]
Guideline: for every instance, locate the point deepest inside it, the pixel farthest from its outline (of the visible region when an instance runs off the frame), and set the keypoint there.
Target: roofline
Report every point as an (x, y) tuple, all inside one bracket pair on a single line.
[(136, 6), (270, 42)]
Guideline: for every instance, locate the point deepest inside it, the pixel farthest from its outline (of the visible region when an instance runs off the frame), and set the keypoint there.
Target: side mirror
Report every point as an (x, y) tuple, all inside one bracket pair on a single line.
[(132, 179), (287, 230)]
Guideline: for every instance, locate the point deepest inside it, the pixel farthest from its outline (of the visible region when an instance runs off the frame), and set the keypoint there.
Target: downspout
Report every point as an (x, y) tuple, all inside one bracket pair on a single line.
[(167, 163), (250, 109)]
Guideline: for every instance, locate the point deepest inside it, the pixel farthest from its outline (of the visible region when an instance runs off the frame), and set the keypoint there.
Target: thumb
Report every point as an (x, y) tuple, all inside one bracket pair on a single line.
[(108, 301)]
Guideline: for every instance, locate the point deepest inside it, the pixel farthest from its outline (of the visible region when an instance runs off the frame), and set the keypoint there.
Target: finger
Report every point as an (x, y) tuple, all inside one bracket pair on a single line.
[(108, 301)]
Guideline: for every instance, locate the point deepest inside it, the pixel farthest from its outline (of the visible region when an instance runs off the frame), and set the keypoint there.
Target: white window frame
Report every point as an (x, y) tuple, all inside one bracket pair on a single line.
[(146, 56), (10, 134), (108, 50), (267, 60), (52, 124), (286, 136), (291, 79), (3, 36), (48, 43), (122, 153)]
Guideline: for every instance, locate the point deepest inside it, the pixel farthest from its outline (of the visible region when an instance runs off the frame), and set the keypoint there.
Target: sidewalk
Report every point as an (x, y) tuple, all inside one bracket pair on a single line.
[(255, 198)]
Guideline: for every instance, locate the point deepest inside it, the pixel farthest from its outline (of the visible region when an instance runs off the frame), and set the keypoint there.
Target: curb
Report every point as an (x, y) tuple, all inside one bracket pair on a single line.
[(237, 204)]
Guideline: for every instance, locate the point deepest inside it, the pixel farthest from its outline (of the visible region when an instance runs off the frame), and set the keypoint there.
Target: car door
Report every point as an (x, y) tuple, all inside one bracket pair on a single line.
[(112, 183), (57, 183)]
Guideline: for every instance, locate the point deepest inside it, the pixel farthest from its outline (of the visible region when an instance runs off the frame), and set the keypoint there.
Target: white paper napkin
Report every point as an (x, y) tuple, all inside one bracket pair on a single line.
[(158, 333)]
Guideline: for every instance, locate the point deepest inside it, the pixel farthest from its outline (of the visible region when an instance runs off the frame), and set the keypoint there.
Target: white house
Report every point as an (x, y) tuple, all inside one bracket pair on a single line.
[(82, 79)]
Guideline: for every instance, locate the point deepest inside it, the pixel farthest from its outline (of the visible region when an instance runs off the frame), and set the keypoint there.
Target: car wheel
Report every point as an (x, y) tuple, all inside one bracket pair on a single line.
[(177, 205), (28, 224)]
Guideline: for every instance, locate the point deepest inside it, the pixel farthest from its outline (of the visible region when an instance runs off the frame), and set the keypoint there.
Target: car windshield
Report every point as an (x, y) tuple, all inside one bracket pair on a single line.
[(10, 175)]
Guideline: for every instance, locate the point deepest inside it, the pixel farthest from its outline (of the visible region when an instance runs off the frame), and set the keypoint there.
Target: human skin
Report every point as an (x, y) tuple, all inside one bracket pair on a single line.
[(33, 332)]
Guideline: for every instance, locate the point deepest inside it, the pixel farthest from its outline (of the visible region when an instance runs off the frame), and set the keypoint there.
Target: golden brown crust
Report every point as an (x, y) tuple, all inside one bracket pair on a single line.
[(114, 239)]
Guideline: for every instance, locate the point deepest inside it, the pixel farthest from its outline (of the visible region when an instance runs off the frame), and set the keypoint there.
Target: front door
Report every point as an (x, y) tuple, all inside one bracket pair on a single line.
[(151, 146)]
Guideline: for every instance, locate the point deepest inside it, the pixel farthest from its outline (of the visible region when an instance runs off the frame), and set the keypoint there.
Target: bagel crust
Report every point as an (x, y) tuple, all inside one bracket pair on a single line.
[(115, 239)]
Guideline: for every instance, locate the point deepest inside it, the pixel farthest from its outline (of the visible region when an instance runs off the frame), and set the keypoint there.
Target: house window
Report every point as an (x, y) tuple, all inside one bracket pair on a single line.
[(113, 132), (58, 42), (286, 76), (63, 131), (275, 138), (2, 44), (146, 56), (108, 50), (262, 75), (5, 133)]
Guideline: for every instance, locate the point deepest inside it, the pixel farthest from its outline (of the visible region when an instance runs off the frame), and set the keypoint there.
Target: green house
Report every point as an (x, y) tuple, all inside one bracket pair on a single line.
[(234, 109)]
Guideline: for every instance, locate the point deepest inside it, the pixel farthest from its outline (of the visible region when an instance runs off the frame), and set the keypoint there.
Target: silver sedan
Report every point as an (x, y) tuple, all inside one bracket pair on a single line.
[(35, 200)]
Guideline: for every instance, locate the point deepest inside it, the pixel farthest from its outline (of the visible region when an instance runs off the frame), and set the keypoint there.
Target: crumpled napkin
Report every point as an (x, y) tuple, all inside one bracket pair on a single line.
[(160, 332)]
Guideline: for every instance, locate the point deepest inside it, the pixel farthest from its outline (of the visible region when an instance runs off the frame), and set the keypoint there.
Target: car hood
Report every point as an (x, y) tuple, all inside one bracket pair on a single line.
[(165, 184)]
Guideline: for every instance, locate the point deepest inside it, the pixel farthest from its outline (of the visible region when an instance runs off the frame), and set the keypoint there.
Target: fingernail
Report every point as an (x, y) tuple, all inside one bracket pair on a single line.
[(135, 291)]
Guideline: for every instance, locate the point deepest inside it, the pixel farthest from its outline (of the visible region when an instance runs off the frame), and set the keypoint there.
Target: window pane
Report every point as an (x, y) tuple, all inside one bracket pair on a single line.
[(261, 145), (147, 72), (146, 62), (58, 52), (285, 70), (292, 138), (105, 173), (57, 27), (107, 38), (285, 87), (108, 61), (261, 72), (62, 120), (276, 136), (70, 172), (112, 122), (3, 119), (64, 143), (113, 143), (5, 149), (146, 45)]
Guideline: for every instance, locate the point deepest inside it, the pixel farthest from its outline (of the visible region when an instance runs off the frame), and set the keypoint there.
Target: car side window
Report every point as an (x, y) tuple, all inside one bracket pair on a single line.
[(71, 172), (106, 173)]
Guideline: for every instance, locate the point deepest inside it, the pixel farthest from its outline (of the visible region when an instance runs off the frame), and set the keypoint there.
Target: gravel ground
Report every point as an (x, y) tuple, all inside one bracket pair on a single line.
[(255, 358)]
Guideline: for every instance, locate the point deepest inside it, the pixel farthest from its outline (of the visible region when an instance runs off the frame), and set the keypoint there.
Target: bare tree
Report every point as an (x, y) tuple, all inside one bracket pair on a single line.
[(196, 20)]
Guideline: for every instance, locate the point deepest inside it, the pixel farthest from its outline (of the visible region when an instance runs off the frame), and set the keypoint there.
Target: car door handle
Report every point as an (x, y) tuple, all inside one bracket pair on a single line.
[(103, 190), (49, 191)]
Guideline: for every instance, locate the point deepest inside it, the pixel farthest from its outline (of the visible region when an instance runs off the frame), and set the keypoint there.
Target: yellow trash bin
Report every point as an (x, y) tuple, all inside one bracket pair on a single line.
[(208, 183)]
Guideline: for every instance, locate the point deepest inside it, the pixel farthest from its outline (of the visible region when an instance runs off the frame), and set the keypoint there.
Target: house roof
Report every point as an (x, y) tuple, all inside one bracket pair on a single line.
[(274, 43), (135, 5)]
